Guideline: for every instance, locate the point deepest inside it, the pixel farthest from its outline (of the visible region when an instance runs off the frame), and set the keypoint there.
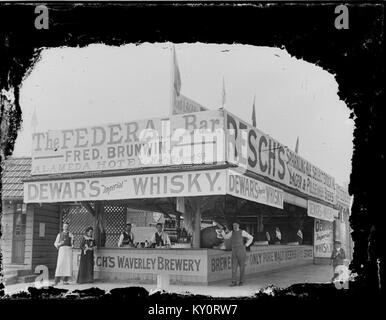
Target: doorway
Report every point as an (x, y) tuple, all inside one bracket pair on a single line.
[(19, 227)]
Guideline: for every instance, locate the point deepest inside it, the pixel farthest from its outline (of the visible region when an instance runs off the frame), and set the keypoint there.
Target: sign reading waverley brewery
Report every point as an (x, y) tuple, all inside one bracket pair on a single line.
[(143, 262), (182, 139), (254, 190), (195, 183)]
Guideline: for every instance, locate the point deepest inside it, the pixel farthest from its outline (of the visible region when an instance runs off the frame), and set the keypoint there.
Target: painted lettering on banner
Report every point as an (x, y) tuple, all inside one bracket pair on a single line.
[(253, 150), (251, 189), (320, 211), (223, 263), (195, 183), (144, 263), (323, 238), (196, 138)]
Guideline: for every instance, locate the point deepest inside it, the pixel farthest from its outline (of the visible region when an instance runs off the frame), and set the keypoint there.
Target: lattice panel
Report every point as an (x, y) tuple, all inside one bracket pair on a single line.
[(78, 219), (115, 217)]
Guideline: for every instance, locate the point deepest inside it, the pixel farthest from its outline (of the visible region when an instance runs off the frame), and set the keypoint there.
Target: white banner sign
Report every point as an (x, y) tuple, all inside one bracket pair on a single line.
[(342, 196), (254, 190), (136, 261), (319, 211), (196, 138), (253, 150), (323, 238), (195, 183)]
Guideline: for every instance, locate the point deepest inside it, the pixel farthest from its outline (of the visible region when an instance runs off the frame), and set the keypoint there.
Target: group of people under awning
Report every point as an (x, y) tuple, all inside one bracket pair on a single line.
[(64, 243), (239, 240), (159, 239)]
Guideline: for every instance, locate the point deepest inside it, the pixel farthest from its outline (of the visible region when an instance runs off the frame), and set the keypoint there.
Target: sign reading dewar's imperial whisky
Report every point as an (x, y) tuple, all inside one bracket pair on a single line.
[(195, 183)]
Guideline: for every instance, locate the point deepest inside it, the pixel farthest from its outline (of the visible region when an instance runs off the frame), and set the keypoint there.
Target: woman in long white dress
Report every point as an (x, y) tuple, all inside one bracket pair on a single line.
[(64, 243)]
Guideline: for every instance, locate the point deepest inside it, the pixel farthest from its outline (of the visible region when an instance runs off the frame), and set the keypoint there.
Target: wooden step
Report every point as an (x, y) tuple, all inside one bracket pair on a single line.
[(26, 278), (10, 280)]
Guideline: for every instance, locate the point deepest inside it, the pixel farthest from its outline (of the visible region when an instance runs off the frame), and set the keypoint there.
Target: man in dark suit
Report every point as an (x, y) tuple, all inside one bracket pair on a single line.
[(337, 257)]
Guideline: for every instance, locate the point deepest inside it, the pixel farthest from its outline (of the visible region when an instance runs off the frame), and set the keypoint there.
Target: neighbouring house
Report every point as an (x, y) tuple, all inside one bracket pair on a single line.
[(28, 231)]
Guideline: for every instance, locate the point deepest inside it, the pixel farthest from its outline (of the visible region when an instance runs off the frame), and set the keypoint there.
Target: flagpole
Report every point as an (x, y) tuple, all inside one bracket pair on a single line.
[(223, 96), (172, 95), (254, 112)]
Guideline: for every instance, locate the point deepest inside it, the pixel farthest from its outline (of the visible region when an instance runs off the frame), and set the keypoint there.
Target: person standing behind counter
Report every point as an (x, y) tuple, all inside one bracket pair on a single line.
[(126, 239), (160, 239), (239, 254)]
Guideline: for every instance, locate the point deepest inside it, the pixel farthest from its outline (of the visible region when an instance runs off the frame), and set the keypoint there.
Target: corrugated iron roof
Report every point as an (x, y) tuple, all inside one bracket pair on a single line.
[(14, 171)]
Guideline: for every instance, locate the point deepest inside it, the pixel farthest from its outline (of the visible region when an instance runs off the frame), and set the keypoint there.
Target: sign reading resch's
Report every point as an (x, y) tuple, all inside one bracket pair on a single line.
[(196, 183)]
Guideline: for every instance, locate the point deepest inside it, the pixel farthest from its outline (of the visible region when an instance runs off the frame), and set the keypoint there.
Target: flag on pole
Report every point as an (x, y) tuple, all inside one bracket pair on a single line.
[(297, 145), (223, 97), (34, 120), (176, 74), (254, 112)]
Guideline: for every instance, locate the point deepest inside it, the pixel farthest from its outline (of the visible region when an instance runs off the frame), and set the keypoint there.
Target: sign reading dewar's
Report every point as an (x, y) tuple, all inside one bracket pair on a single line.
[(158, 185), (197, 183), (323, 238), (254, 190)]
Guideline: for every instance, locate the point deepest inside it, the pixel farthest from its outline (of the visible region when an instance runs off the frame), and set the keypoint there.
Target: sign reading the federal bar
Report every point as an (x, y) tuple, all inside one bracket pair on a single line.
[(195, 138)]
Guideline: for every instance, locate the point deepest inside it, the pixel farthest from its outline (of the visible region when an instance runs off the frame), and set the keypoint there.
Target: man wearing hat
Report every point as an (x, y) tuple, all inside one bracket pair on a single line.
[(337, 257), (239, 254)]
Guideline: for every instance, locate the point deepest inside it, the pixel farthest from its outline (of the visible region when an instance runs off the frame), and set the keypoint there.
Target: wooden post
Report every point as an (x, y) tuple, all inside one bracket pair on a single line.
[(98, 224), (197, 224), (178, 221)]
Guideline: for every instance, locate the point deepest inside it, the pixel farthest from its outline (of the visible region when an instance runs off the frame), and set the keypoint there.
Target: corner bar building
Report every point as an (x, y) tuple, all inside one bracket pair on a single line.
[(219, 169)]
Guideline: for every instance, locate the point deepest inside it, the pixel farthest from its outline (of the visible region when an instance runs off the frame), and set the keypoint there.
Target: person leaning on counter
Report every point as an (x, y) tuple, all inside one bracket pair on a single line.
[(160, 238), (126, 238)]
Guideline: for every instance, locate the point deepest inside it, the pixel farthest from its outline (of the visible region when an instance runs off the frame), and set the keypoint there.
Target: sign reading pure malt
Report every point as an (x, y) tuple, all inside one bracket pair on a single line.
[(182, 139)]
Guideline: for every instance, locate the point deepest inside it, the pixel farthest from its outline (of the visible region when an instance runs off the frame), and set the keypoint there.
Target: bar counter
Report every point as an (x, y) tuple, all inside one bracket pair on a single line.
[(201, 266)]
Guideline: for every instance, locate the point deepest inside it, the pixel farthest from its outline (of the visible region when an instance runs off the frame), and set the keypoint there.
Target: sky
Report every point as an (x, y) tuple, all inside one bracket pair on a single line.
[(98, 84)]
